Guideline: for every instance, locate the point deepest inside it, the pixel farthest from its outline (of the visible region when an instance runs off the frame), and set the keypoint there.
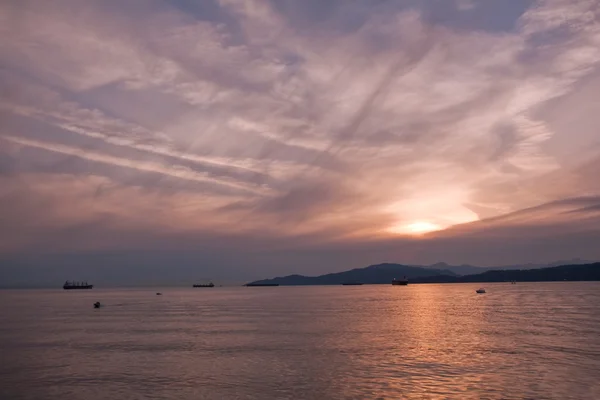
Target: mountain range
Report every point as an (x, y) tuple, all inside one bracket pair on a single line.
[(381, 273), (466, 269), (443, 273), (575, 272)]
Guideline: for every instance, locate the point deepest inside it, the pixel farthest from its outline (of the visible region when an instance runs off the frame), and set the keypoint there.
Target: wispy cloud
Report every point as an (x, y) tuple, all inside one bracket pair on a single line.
[(293, 119), (172, 170)]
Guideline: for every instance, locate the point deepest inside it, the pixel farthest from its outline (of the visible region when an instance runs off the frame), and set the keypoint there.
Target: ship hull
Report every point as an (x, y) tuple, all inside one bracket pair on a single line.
[(78, 287), (262, 284), (399, 283)]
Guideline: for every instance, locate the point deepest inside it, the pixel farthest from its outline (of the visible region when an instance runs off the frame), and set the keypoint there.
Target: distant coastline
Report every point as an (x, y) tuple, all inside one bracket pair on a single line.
[(384, 273), (575, 270)]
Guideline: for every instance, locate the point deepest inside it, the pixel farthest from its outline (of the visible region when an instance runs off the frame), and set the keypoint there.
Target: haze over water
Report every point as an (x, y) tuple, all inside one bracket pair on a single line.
[(524, 341)]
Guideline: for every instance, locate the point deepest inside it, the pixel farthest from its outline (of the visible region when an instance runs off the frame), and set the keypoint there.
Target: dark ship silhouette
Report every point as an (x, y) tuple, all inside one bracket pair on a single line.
[(400, 282), (76, 285), (261, 284), (210, 284)]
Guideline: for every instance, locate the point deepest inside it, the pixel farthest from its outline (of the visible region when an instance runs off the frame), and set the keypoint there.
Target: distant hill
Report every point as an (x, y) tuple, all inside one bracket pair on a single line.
[(574, 261), (380, 273), (384, 273), (466, 269), (458, 269), (576, 272)]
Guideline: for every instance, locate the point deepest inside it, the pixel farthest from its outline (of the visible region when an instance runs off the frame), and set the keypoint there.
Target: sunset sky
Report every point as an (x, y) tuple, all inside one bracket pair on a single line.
[(241, 139)]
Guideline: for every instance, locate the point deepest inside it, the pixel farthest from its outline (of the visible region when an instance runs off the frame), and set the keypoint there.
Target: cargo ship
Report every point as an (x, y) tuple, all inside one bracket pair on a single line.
[(402, 281), (210, 284), (261, 284), (76, 285)]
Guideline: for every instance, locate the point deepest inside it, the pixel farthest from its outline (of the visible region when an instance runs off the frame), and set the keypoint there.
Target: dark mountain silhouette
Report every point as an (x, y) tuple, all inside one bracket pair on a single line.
[(380, 273), (458, 269), (466, 269), (574, 272), (384, 273), (574, 261)]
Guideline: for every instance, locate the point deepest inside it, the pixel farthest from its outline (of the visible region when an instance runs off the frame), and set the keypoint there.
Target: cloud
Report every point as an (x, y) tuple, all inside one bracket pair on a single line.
[(323, 120), (172, 171)]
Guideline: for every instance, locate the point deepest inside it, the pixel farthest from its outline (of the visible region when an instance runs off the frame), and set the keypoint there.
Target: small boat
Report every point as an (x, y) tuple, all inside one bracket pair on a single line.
[(97, 304), (401, 282), (76, 285), (210, 284), (261, 284), (352, 283), (480, 290), (158, 293)]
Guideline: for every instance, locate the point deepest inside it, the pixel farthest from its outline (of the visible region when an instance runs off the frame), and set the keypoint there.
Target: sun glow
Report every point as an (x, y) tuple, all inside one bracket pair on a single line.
[(435, 207), (416, 228), (422, 227)]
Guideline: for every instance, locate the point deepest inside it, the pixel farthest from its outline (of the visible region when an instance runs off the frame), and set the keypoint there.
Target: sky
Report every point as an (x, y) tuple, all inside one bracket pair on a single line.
[(172, 140)]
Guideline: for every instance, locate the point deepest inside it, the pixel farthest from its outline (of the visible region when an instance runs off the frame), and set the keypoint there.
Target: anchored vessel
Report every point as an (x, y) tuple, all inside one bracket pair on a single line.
[(261, 284), (402, 281), (210, 284), (76, 285), (352, 283)]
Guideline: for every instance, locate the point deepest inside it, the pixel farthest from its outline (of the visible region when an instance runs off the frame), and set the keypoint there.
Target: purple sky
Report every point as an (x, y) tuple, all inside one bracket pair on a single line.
[(232, 139)]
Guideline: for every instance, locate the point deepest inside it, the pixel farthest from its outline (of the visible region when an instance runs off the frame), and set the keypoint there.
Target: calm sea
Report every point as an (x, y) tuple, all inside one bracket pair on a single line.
[(523, 341)]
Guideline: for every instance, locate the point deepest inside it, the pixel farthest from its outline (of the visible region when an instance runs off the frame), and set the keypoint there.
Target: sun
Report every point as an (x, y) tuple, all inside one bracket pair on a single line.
[(416, 228), (422, 227)]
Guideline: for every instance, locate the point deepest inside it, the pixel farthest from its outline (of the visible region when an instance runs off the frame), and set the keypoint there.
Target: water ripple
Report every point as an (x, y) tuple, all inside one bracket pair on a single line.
[(529, 341)]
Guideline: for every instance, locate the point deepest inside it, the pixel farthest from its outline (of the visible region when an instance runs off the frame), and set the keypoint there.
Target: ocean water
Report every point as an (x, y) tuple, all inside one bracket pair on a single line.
[(523, 341)]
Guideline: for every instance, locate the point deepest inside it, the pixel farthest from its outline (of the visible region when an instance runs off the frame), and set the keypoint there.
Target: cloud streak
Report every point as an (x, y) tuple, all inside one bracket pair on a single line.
[(310, 121), (174, 171)]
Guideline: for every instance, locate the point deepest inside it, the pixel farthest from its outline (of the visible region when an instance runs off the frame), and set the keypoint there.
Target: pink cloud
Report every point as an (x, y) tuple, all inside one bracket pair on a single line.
[(336, 133)]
